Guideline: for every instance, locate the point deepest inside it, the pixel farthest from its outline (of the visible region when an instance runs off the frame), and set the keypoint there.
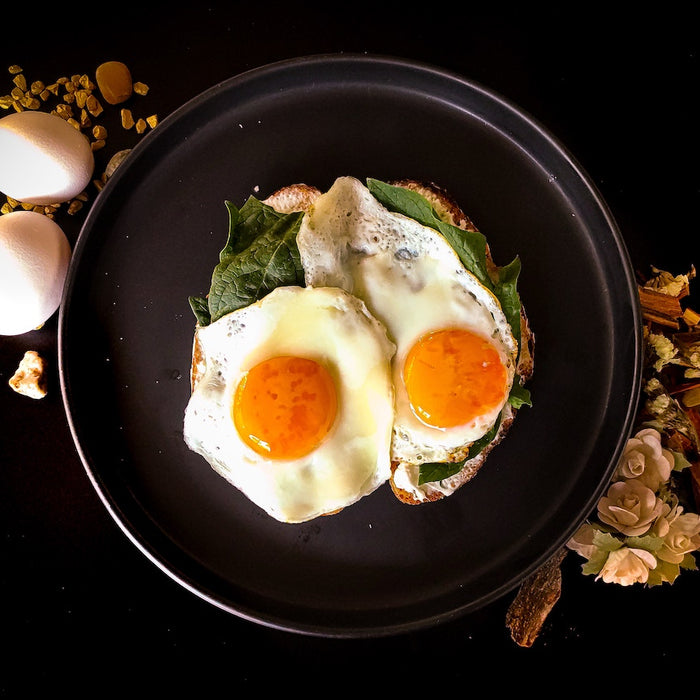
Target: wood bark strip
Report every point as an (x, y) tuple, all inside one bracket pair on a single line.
[(534, 601)]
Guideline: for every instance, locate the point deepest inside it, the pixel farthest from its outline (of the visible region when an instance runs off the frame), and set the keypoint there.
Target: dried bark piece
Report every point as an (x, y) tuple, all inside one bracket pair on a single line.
[(660, 308), (535, 599), (660, 297)]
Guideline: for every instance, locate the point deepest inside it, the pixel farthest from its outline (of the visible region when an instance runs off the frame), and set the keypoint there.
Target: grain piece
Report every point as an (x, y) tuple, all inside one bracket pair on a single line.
[(127, 118), (29, 102), (93, 106), (20, 81), (81, 97), (85, 82), (29, 378), (63, 110), (114, 82), (85, 121), (75, 206)]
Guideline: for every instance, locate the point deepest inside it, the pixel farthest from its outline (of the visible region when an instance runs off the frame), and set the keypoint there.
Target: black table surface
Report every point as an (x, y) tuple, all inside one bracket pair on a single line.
[(81, 608)]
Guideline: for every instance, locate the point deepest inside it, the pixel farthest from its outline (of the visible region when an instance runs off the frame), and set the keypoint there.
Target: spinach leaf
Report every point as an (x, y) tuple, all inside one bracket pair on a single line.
[(436, 471), (519, 396), (470, 246), (260, 254), (200, 308), (507, 293)]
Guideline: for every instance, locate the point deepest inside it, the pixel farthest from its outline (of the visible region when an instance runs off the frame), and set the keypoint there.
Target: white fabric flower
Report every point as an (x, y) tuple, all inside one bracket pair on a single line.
[(645, 459), (681, 533), (582, 541), (627, 565), (630, 507)]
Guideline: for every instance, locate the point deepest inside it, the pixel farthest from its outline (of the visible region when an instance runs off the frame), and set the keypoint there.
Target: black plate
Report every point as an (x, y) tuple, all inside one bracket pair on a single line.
[(152, 238)]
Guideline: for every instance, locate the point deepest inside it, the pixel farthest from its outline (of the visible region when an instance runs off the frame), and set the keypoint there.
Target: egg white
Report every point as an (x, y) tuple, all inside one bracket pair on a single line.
[(413, 282), (333, 328)]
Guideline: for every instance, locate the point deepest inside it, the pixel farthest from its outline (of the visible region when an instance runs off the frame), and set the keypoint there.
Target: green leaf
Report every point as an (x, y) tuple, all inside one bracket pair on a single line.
[(437, 471), (260, 254), (594, 565), (664, 572), (405, 201), (470, 246), (605, 541), (689, 562), (680, 461), (507, 293), (519, 396), (647, 542), (200, 308)]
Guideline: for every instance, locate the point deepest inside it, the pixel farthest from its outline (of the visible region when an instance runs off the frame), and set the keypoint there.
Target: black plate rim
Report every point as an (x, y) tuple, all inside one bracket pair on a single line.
[(262, 617)]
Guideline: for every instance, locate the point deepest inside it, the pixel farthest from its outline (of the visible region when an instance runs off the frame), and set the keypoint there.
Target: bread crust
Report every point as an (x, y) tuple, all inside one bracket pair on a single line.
[(297, 197)]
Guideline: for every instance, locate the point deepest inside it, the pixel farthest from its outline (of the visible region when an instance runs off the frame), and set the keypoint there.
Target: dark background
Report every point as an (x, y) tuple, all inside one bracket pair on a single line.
[(81, 608)]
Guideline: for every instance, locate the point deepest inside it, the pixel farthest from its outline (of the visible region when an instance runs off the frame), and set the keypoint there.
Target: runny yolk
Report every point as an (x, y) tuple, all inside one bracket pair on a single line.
[(452, 376), (284, 406)]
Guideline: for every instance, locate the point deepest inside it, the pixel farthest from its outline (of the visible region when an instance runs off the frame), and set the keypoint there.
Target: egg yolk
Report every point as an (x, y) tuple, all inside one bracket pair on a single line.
[(284, 407), (453, 376)]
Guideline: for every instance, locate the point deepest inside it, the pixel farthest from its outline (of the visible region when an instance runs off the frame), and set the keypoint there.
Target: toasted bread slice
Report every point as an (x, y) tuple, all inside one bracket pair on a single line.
[(451, 212), (300, 197)]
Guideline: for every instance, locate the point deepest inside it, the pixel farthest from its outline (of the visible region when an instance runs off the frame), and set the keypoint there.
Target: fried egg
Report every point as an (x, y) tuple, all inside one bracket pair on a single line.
[(455, 357), (292, 401)]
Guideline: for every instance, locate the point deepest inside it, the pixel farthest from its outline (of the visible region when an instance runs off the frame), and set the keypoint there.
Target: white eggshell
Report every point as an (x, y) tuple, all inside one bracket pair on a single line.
[(34, 258), (43, 159)]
